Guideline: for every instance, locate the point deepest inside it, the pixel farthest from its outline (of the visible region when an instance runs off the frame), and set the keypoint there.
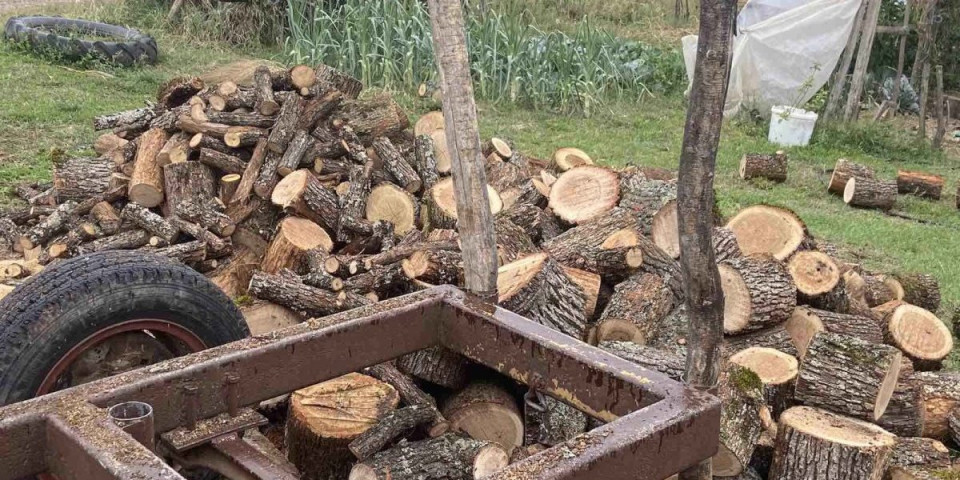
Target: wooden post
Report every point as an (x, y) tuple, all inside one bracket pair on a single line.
[(938, 111), (840, 75), (475, 222), (924, 92), (904, 35), (925, 39), (695, 200), (863, 60)]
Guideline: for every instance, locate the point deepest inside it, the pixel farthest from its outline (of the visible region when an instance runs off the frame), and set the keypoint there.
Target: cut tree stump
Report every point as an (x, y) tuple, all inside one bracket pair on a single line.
[(870, 193), (767, 229), (805, 322), (441, 205), (777, 371), (847, 375), (843, 171), (814, 444), (324, 418), (922, 337), (301, 193), (486, 411), (940, 394), (636, 309), (585, 193), (922, 290), (921, 184), (568, 158), (146, 183), (536, 287), (741, 419), (758, 293), (449, 457), (548, 421), (294, 238), (395, 205), (760, 165)]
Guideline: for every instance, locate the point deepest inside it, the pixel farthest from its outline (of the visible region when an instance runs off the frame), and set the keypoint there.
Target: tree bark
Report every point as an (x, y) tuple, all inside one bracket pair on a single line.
[(329, 78), (186, 183), (940, 393), (740, 419), (436, 365), (920, 452), (636, 309), (758, 165), (394, 163), (663, 361), (451, 457), (292, 157), (149, 221), (79, 178), (922, 290), (548, 421), (265, 104), (537, 288), (777, 371), (805, 322), (221, 161), (870, 193), (294, 238), (107, 217), (843, 171), (286, 126), (308, 301), (391, 426), (921, 184), (486, 411), (411, 394), (300, 192), (758, 293)]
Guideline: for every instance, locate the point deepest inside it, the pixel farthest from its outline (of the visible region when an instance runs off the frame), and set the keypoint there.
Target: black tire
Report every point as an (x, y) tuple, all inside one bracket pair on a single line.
[(41, 33), (41, 320)]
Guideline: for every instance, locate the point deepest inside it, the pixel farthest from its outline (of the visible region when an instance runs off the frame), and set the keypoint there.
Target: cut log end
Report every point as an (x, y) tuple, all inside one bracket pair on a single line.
[(665, 230), (584, 193), (814, 273), (766, 229), (737, 307), (772, 366), (393, 204), (920, 334), (569, 158)]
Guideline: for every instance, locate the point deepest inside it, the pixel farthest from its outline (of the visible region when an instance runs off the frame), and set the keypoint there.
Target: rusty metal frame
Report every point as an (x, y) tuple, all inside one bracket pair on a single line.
[(657, 426)]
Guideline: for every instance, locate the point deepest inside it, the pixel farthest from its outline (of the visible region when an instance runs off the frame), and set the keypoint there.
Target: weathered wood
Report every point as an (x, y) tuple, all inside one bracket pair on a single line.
[(537, 287), (295, 236), (319, 108), (426, 164), (119, 119), (871, 15), (758, 293), (292, 157), (636, 309), (548, 421), (847, 375), (940, 394), (391, 203), (149, 221), (777, 371), (266, 104), (55, 223), (324, 418), (920, 452), (441, 205), (451, 456), (371, 117), (127, 240), (394, 163), (222, 161), (187, 183), (187, 252), (740, 419), (436, 365), (309, 301), (870, 193), (921, 184), (663, 361), (760, 165), (816, 444), (843, 171), (411, 394), (486, 411), (300, 192), (209, 215), (329, 78), (391, 426), (805, 322), (922, 290), (79, 178), (146, 183)]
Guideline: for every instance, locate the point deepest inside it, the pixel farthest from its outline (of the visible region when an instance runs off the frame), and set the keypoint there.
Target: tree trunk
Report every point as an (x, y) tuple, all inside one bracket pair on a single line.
[(301, 193), (758, 293), (843, 171), (486, 411), (537, 288), (847, 375), (777, 372), (79, 178), (636, 309), (759, 165), (450, 457), (921, 336), (324, 419), (146, 183), (921, 184), (295, 236), (870, 193), (740, 419), (815, 444)]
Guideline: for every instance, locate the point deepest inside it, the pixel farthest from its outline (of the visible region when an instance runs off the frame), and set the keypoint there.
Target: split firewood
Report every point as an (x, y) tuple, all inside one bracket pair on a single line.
[(548, 421), (55, 223), (923, 185), (486, 411), (758, 165), (411, 395), (663, 361), (295, 236), (300, 192), (537, 288), (129, 117), (324, 418), (221, 161), (847, 375), (208, 215), (441, 205), (436, 365), (233, 276), (636, 309), (450, 456), (811, 440), (289, 291), (777, 372), (773, 230), (426, 161), (904, 414), (805, 322), (585, 193), (512, 241), (79, 178), (567, 158), (940, 393), (127, 240), (758, 293), (176, 150), (589, 284), (228, 187), (393, 204), (880, 289), (843, 171), (391, 426), (371, 117), (216, 246), (922, 290), (398, 166), (149, 221), (870, 193), (146, 184), (922, 337), (108, 142), (292, 157)]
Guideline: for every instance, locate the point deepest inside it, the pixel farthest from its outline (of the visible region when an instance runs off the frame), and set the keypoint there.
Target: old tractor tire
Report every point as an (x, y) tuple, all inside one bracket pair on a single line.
[(46, 33), (57, 329)]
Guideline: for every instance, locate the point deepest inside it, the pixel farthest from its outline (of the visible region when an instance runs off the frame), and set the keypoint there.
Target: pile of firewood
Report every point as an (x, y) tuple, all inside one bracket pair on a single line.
[(298, 193)]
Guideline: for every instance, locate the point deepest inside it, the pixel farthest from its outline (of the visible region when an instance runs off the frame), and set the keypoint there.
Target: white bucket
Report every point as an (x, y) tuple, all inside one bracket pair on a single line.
[(791, 126)]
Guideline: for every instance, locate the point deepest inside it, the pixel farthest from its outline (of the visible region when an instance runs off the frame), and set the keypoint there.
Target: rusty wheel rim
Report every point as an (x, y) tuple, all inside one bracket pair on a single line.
[(170, 339)]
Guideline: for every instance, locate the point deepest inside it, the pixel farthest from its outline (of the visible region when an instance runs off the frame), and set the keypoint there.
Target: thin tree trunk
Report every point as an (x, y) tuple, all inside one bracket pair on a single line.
[(460, 119), (695, 199)]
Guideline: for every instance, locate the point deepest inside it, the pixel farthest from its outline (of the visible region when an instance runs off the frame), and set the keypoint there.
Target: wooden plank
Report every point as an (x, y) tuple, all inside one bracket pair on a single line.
[(852, 110)]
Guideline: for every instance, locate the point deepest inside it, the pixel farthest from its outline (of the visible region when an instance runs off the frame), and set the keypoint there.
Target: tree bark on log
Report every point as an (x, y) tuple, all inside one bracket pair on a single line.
[(920, 452), (881, 289), (740, 419), (394, 163), (843, 171), (128, 117), (904, 414), (187, 252), (486, 411), (290, 292), (537, 288), (441, 205), (268, 177), (329, 78), (870, 193), (146, 183), (922, 290), (221, 161), (953, 424), (589, 284), (292, 157), (286, 126), (372, 117), (548, 421), (777, 371), (149, 221), (55, 223), (240, 137), (265, 104), (940, 394), (663, 361), (922, 337), (107, 217), (725, 244), (324, 418), (847, 375), (318, 109), (128, 240), (758, 293), (187, 183), (300, 192), (294, 238), (391, 426), (636, 309), (816, 444), (806, 322), (513, 242), (776, 337), (451, 457), (436, 365), (759, 165), (411, 394), (79, 178), (436, 267), (921, 184)]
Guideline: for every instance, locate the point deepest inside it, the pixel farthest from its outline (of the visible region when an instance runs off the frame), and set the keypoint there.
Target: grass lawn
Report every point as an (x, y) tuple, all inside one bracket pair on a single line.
[(48, 105)]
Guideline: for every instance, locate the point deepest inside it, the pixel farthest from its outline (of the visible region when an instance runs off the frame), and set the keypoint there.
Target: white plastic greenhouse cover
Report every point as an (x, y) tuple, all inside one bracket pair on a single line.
[(785, 51)]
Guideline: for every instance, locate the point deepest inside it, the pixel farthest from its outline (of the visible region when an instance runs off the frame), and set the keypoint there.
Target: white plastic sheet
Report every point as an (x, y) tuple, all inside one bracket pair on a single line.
[(783, 55)]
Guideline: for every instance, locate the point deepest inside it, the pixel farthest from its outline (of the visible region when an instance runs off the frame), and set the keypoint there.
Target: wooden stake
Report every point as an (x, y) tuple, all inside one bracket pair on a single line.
[(852, 110)]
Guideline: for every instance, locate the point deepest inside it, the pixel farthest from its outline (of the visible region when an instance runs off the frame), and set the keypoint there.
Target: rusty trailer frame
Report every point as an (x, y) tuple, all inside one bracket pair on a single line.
[(656, 427)]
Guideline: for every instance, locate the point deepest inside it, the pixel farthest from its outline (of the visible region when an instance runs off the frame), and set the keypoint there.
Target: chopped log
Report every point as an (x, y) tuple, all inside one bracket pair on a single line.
[(149, 221), (371, 117), (55, 223), (922, 290), (127, 240), (654, 203), (265, 317), (777, 372), (396, 165), (497, 146), (286, 126), (238, 119), (176, 150), (663, 361), (843, 171), (568, 158), (250, 175), (636, 309), (513, 242), (940, 394), (239, 137), (870, 193), (813, 444), (295, 236), (441, 205), (767, 229), (266, 104), (289, 291), (188, 124), (589, 284), (200, 140), (324, 418), (436, 365), (758, 293), (426, 164), (451, 456), (228, 187), (486, 411), (393, 204), (436, 267), (904, 414), (383, 281), (268, 177), (236, 99), (233, 277), (318, 108), (187, 252), (411, 394), (805, 322), (79, 178), (548, 421), (329, 78), (759, 165), (584, 193), (428, 123), (187, 183), (146, 184), (404, 250), (128, 117), (920, 452), (814, 273), (107, 217), (322, 279), (881, 289), (847, 375), (740, 419), (537, 288), (391, 426), (300, 192), (221, 161), (725, 244), (178, 91), (216, 246), (921, 184), (921, 336)]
